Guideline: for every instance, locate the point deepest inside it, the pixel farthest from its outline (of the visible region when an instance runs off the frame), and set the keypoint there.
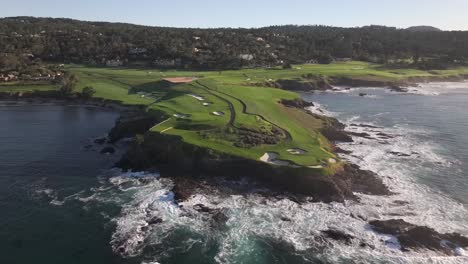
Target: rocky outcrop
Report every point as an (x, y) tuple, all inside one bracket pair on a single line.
[(413, 237), (133, 123), (174, 157), (318, 83), (297, 103)]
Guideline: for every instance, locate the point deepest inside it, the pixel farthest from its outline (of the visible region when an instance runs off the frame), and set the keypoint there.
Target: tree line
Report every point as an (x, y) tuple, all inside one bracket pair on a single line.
[(100, 43)]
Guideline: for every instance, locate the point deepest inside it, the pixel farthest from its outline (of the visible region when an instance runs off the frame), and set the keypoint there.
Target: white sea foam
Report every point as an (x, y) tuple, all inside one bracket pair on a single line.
[(251, 216)]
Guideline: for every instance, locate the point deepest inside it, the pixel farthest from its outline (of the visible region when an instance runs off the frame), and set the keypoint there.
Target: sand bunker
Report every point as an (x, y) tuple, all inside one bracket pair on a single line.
[(316, 167), (297, 151), (218, 113), (199, 98), (177, 80), (331, 161), (206, 104), (271, 158), (181, 116)]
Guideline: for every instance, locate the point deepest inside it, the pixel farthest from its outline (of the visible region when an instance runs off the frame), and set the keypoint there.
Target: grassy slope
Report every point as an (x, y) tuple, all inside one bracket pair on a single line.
[(231, 92)]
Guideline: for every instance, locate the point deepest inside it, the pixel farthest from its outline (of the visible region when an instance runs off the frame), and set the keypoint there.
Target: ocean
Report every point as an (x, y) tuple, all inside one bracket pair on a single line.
[(61, 202)]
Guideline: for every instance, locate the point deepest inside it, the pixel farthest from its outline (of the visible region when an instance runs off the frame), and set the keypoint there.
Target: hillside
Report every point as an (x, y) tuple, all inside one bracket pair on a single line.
[(424, 29), (115, 44)]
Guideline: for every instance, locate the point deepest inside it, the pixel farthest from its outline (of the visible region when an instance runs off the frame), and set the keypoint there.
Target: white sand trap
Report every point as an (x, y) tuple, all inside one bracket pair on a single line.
[(297, 151), (180, 116), (199, 98), (206, 104), (316, 167), (331, 161), (218, 113), (271, 158)]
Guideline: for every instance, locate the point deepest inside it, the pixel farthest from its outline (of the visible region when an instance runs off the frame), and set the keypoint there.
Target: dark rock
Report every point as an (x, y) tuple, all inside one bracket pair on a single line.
[(363, 135), (100, 141), (362, 94), (364, 181), (132, 124), (108, 150), (384, 135), (285, 219), (155, 221), (340, 150), (87, 147), (336, 135), (396, 88), (202, 208), (400, 202), (413, 237), (363, 125), (298, 103), (399, 154), (338, 236)]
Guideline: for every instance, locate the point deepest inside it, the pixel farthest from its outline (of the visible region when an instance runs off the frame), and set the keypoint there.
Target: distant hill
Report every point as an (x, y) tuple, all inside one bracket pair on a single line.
[(424, 29), (118, 44)]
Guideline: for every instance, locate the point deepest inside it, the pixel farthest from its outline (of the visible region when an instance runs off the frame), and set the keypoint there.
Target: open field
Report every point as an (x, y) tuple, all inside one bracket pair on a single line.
[(229, 111)]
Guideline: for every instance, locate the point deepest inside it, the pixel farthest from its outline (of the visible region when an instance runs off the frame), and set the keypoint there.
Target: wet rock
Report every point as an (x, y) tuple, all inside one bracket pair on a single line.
[(108, 150), (155, 221), (340, 150), (399, 154), (363, 135), (396, 88), (413, 237), (400, 202), (100, 141), (338, 236), (336, 135), (363, 125), (364, 181), (203, 208), (384, 135), (184, 188), (298, 103)]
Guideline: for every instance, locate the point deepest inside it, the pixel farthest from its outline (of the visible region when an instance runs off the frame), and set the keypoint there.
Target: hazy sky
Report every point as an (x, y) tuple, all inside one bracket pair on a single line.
[(445, 14)]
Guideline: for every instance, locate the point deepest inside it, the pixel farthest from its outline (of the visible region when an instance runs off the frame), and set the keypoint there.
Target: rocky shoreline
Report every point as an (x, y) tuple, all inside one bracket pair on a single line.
[(187, 165), (321, 83)]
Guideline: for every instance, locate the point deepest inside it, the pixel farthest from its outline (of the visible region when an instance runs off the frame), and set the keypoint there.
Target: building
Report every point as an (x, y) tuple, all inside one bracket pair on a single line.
[(247, 57), (343, 59), (136, 51), (114, 63)]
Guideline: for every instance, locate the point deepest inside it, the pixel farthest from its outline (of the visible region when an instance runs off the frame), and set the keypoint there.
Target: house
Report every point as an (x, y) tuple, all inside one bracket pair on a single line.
[(167, 62), (136, 51), (12, 77), (114, 63), (247, 57), (343, 59)]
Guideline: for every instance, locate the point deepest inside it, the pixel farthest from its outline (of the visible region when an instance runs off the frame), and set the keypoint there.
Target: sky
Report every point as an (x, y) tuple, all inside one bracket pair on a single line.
[(444, 14)]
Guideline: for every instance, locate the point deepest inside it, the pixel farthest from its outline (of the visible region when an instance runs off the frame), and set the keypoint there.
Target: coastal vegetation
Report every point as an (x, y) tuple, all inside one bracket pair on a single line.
[(237, 112), (118, 44)]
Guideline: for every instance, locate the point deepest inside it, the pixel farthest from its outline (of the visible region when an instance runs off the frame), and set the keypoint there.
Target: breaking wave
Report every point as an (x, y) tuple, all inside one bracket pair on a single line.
[(239, 222)]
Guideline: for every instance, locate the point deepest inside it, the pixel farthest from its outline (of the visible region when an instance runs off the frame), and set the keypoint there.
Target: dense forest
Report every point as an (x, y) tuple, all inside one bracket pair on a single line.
[(27, 40)]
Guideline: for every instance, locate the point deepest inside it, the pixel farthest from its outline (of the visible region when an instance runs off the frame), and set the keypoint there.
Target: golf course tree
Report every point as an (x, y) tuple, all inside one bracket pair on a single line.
[(100, 43), (67, 83), (88, 92)]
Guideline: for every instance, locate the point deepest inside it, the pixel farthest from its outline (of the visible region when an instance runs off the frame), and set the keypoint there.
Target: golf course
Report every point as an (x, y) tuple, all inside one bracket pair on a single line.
[(234, 112)]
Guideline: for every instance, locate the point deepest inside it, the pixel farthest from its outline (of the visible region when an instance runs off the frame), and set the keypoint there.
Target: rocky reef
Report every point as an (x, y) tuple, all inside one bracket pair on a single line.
[(413, 237)]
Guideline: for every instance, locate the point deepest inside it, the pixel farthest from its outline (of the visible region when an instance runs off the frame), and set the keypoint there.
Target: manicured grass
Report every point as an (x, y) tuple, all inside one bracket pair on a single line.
[(247, 107)]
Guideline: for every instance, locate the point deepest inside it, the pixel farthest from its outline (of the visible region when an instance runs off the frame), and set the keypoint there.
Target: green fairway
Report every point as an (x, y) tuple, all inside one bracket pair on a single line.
[(230, 111)]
